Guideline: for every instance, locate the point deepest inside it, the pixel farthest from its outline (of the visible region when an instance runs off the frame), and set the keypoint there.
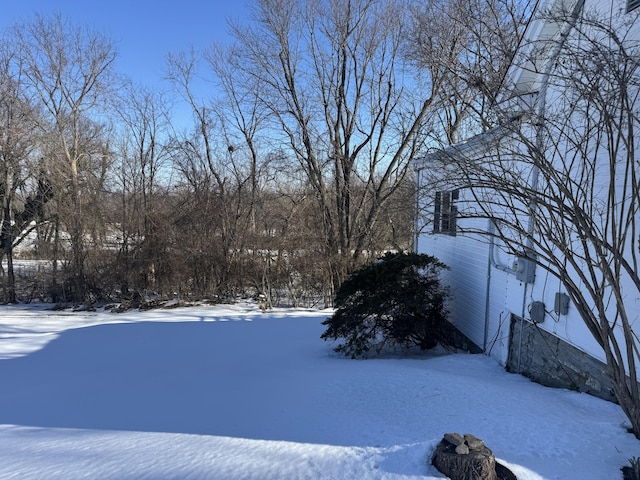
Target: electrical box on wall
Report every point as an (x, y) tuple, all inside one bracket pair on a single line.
[(525, 268), (537, 311), (561, 304)]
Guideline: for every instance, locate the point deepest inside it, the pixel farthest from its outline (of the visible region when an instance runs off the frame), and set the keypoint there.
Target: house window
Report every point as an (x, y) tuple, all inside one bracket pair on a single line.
[(632, 5), (445, 212)]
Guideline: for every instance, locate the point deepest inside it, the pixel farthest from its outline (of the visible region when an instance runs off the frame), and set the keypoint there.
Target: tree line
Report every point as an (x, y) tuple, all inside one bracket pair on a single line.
[(295, 170)]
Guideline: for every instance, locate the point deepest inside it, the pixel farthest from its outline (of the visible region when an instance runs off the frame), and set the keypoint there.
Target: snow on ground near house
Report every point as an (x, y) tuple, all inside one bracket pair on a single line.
[(229, 393)]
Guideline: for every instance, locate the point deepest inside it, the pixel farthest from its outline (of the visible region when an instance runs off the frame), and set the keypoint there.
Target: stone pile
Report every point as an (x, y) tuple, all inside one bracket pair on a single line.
[(466, 457), (464, 444)]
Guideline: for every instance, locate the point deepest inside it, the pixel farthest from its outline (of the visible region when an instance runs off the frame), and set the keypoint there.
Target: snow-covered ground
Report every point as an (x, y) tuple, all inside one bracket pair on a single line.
[(229, 393)]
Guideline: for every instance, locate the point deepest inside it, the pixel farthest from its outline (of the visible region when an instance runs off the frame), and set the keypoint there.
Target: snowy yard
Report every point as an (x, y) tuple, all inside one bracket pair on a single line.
[(229, 393)]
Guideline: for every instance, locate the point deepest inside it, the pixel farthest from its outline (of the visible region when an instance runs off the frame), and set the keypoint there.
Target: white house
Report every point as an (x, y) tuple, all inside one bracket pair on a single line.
[(564, 153)]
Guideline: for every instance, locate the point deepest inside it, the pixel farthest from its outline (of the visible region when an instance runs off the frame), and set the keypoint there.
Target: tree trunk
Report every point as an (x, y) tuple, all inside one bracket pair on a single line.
[(472, 464), (11, 278)]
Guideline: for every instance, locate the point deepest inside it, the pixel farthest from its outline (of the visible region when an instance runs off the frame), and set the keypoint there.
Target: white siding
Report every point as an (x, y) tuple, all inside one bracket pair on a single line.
[(568, 327), (483, 296), (482, 315), (467, 260)]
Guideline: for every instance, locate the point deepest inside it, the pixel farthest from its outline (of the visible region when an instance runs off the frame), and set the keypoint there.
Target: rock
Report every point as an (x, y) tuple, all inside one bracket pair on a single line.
[(454, 439), (473, 442), (462, 449), (459, 463)]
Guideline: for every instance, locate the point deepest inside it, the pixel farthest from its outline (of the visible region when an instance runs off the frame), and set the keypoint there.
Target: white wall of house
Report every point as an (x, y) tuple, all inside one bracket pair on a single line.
[(482, 296), (485, 292), (569, 327)]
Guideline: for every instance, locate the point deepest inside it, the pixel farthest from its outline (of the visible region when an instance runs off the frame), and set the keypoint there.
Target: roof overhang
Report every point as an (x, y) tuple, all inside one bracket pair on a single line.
[(477, 147)]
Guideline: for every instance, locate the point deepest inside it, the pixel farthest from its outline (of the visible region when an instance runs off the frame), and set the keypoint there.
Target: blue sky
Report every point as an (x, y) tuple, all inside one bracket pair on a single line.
[(144, 31)]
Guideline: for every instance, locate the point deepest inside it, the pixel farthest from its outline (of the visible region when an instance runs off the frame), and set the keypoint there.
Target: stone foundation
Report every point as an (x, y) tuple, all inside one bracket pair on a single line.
[(548, 360)]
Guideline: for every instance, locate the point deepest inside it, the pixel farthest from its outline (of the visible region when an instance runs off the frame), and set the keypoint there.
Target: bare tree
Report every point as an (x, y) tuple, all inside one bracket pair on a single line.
[(242, 118), (221, 160), (144, 118), (67, 70), (563, 187), (473, 42), (23, 189), (339, 97), (201, 158)]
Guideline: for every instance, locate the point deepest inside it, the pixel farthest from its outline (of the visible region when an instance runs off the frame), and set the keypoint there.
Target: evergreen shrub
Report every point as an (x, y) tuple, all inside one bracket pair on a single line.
[(398, 301)]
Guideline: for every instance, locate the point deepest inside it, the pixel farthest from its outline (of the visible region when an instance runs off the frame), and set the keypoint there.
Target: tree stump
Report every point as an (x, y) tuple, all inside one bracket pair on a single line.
[(464, 458)]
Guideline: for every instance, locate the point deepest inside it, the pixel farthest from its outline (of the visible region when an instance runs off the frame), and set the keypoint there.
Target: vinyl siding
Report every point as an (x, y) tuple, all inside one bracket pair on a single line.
[(469, 277), (472, 306)]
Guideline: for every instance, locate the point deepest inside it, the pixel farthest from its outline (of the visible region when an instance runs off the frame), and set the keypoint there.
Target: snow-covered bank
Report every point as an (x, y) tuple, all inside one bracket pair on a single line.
[(229, 393)]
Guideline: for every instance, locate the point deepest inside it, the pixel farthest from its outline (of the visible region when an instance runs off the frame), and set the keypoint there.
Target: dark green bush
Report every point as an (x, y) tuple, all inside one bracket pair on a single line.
[(395, 302)]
